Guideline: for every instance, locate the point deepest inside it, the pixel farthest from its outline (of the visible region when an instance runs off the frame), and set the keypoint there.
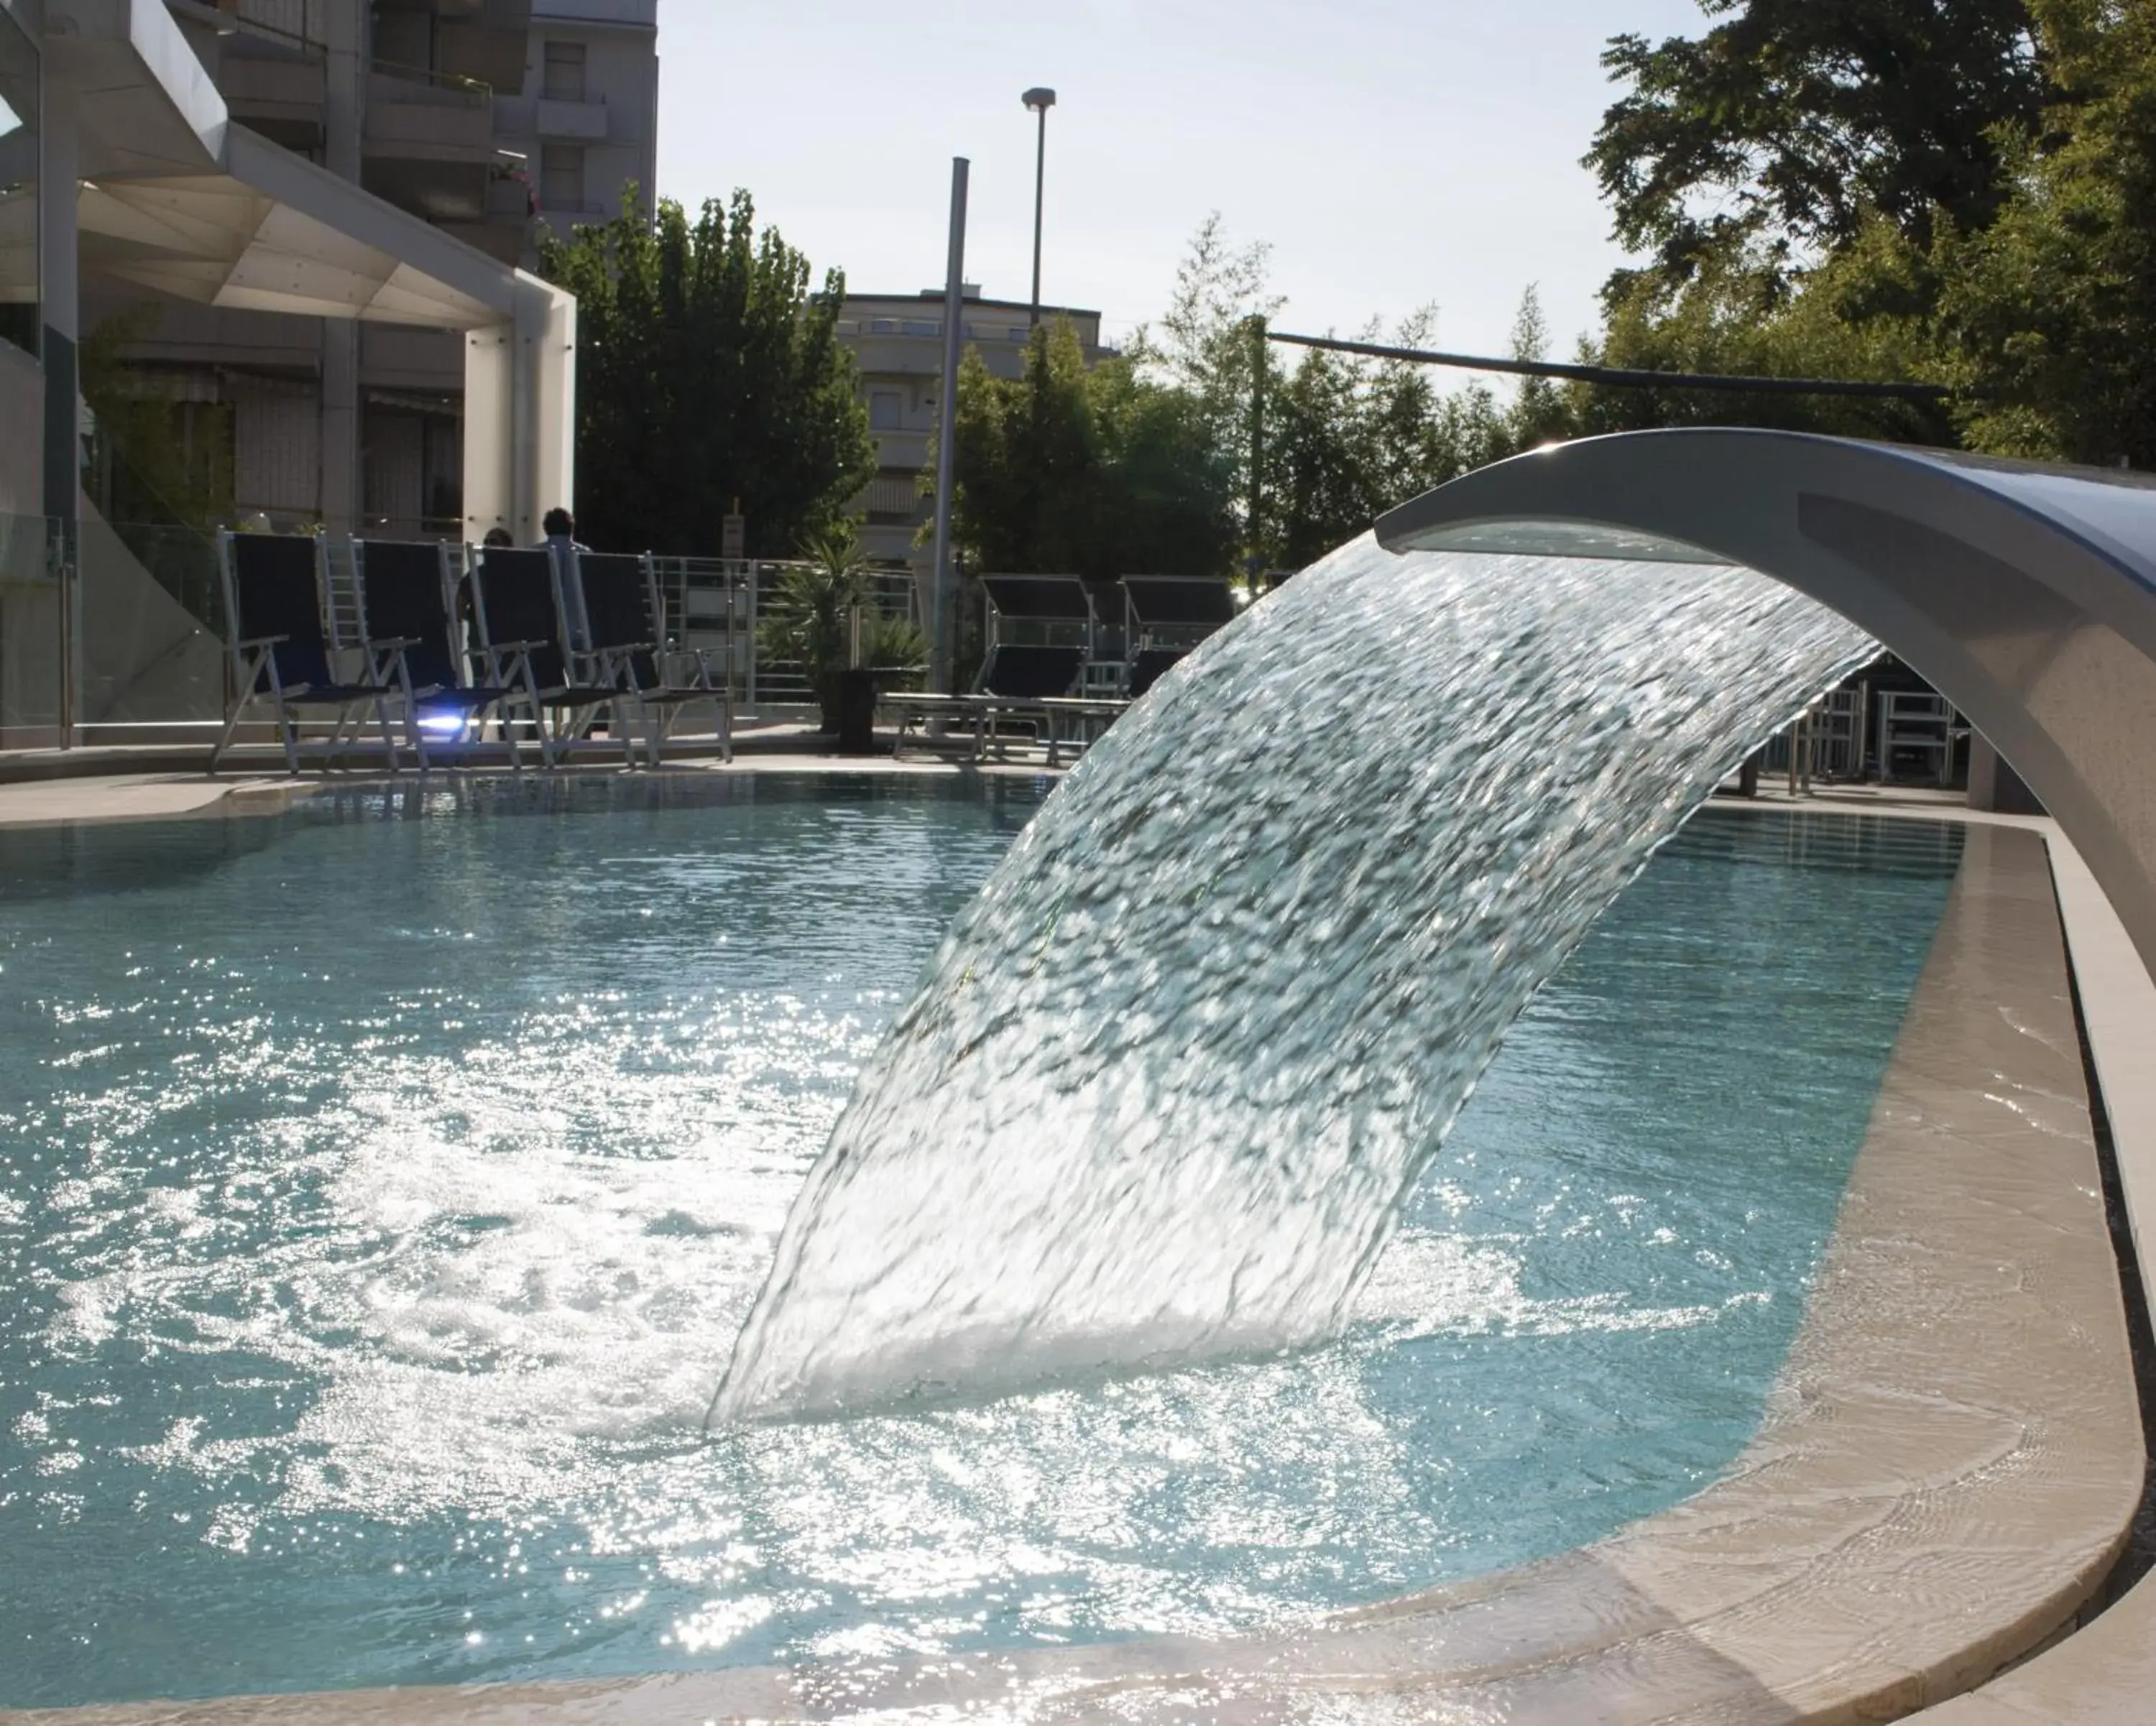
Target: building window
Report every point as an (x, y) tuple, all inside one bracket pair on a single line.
[(564, 80), (562, 176), (885, 410), (19, 316)]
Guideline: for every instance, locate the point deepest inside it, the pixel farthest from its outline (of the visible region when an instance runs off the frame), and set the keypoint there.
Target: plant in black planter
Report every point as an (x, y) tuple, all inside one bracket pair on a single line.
[(808, 620)]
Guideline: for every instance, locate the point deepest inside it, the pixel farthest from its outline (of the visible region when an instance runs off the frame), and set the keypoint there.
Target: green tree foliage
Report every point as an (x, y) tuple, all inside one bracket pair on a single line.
[(708, 372), (1202, 349), (2050, 308), (1860, 315), (1347, 438), (153, 461), (2035, 295), (159, 470), (1783, 127), (1092, 472)]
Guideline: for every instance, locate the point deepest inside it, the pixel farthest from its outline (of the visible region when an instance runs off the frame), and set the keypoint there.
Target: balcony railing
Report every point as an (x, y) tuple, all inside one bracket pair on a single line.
[(296, 22)]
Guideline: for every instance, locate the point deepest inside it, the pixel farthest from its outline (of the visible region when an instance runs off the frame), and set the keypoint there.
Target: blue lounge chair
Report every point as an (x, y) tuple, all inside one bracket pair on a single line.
[(527, 646), (407, 594), (621, 622), (273, 606)]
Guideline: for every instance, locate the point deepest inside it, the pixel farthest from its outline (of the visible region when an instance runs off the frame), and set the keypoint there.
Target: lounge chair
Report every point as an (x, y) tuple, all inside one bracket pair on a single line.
[(1165, 616), (526, 637), (273, 606), (1017, 677), (407, 601), (622, 643), (1149, 664)]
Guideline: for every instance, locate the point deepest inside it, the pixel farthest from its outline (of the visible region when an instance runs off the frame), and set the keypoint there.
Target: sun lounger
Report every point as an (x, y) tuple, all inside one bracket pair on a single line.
[(407, 601), (280, 653), (525, 636), (622, 645)]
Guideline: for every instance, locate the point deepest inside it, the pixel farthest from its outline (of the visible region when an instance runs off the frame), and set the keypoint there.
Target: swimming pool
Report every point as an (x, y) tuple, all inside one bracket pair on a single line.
[(382, 1185)]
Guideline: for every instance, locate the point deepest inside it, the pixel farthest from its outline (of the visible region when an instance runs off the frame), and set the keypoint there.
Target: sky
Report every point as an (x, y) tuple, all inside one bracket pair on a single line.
[(1393, 154)]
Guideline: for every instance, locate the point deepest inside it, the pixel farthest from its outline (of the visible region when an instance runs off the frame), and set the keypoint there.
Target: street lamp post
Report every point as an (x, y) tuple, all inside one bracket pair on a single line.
[(1040, 101)]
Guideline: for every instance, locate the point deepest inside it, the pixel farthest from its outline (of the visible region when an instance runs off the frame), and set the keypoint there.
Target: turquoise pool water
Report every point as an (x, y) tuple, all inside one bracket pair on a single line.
[(382, 1186)]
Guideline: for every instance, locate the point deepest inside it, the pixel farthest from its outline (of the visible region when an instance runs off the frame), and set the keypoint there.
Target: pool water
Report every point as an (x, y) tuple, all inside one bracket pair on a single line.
[(383, 1186)]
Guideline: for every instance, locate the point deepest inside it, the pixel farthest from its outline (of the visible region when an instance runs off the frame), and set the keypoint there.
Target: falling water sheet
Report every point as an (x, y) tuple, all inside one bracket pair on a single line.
[(1169, 1078)]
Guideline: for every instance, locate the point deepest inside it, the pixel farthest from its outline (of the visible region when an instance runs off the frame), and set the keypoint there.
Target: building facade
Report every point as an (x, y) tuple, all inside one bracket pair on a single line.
[(296, 239), (898, 343), (585, 119), (483, 118)]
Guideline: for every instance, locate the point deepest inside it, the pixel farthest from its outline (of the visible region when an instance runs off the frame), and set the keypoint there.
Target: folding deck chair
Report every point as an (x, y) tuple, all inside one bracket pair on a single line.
[(272, 606), (620, 618), (406, 599), (526, 643)]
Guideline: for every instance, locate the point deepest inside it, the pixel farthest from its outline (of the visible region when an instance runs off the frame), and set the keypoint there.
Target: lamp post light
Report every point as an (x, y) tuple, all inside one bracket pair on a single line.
[(1040, 101)]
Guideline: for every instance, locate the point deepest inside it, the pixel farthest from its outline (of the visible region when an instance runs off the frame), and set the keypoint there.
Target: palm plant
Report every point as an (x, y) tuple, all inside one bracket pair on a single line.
[(810, 619)]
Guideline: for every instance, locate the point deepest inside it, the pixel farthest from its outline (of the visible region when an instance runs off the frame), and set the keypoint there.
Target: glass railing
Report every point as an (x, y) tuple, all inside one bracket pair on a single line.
[(33, 641), (152, 650)]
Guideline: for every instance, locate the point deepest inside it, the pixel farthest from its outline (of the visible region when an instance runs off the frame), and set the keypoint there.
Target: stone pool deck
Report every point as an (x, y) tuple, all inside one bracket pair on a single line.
[(1947, 1471)]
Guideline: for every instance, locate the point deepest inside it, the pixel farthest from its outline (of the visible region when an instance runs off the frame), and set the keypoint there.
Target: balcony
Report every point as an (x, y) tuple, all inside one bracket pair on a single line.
[(281, 98), (428, 146), (485, 39), (584, 121), (598, 12), (907, 450)]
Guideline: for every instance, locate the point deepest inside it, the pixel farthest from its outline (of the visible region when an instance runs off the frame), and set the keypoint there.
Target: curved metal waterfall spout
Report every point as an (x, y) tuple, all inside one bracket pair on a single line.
[(2026, 594)]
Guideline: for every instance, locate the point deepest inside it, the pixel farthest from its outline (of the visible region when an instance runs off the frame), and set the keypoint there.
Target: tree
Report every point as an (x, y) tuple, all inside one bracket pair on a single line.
[(1096, 472), (1202, 348), (1775, 133), (1349, 437), (708, 372), (2035, 295), (2049, 310), (1864, 313)]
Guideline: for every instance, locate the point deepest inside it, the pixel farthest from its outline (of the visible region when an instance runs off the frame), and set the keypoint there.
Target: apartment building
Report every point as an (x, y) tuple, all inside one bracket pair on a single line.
[(480, 117), (586, 120), (312, 230), (898, 343)]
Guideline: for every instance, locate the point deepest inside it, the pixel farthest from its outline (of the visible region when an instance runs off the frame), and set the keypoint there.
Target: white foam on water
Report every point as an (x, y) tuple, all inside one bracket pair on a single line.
[(1172, 1074)]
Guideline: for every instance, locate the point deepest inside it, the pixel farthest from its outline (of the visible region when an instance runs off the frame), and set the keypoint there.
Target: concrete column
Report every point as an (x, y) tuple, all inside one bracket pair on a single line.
[(521, 414), (344, 113), (60, 299)]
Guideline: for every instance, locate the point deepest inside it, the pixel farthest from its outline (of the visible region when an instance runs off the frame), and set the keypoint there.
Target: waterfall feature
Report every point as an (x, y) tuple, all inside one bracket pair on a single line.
[(1171, 1075)]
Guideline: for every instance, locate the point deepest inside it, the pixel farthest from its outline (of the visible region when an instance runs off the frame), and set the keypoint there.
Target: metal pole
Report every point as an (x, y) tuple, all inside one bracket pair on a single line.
[(946, 435), (1039, 192), (1040, 99), (1257, 446)]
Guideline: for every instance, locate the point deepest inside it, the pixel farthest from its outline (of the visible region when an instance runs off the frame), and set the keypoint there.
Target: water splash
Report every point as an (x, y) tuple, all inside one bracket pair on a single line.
[(1171, 1073)]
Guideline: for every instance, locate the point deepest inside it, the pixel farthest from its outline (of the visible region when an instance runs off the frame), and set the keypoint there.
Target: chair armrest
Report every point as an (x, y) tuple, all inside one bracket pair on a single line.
[(392, 643), (264, 640)]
